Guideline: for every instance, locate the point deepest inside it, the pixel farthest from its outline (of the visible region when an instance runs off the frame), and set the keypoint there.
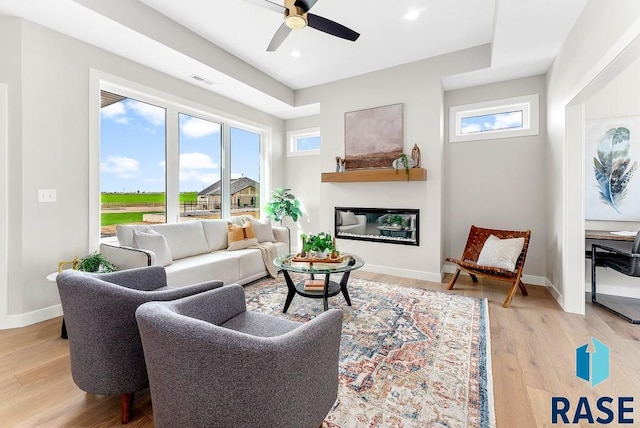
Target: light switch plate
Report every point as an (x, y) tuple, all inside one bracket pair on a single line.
[(46, 195)]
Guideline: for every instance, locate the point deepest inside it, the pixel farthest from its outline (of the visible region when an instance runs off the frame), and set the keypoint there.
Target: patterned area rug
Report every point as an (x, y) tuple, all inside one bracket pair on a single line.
[(409, 357)]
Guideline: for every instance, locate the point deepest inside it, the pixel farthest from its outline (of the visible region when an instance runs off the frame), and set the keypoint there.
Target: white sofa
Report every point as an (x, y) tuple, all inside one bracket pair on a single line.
[(358, 227), (199, 252)]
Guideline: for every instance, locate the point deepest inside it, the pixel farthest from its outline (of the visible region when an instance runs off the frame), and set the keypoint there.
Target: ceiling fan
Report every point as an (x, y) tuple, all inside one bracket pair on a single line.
[(297, 16)]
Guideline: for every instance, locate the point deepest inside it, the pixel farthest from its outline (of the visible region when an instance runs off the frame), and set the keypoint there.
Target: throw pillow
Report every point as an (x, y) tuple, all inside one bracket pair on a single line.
[(263, 230), (501, 253), (153, 241), (240, 237), (347, 218)]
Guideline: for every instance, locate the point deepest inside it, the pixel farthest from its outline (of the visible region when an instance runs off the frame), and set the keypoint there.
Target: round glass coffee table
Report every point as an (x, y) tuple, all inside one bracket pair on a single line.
[(323, 288)]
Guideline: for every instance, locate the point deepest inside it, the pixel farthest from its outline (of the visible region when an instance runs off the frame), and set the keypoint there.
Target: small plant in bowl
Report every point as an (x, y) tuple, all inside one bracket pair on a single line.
[(96, 262), (321, 244)]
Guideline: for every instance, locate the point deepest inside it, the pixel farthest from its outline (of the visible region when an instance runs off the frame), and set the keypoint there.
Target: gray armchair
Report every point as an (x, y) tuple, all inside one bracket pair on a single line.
[(211, 363), (104, 342)]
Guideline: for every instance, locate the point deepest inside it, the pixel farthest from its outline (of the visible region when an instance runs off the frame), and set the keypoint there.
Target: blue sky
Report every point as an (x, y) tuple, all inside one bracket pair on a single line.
[(132, 150), (491, 122)]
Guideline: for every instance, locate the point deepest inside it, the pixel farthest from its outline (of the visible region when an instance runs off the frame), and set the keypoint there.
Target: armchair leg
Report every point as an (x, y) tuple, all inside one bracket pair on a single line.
[(127, 407), (453, 280), (523, 288), (474, 278)]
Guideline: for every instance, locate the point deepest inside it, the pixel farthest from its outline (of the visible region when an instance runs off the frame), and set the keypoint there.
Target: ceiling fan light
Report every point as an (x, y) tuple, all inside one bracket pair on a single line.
[(295, 22)]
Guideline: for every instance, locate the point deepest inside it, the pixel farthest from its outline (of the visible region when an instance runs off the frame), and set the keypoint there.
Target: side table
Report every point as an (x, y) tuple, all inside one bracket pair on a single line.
[(63, 331)]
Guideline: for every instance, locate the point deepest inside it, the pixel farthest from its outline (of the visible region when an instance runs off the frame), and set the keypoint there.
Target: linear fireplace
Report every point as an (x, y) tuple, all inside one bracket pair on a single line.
[(392, 225)]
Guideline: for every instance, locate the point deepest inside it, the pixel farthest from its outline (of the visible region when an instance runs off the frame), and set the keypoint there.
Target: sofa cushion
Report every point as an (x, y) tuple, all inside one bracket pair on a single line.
[(263, 230), (153, 241), (185, 239), (215, 231), (221, 265), (240, 237), (124, 232)]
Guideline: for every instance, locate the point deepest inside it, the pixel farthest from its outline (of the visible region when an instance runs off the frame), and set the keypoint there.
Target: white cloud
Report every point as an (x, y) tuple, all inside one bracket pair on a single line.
[(198, 166), (507, 120), (121, 166), (197, 128), (153, 114), (116, 111), (471, 128)]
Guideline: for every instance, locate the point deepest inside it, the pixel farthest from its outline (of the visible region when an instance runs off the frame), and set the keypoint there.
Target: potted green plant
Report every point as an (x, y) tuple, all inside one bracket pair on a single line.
[(283, 204), (321, 244), (405, 162), (396, 220), (96, 262)]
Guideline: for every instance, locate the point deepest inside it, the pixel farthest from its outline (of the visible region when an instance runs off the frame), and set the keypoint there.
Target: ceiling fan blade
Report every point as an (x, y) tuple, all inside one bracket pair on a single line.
[(328, 26), (305, 5), (279, 37), (267, 5)]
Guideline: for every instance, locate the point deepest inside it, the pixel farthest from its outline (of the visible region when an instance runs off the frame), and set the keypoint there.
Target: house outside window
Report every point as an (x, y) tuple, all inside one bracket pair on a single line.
[(504, 118)]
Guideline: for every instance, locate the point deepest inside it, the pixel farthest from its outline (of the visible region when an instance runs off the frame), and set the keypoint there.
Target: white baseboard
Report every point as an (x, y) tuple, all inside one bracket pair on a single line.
[(614, 290), (22, 320), (407, 273), (527, 279)]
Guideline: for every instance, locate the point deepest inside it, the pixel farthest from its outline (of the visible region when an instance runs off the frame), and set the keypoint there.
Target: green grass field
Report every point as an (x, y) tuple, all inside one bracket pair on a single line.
[(133, 199)]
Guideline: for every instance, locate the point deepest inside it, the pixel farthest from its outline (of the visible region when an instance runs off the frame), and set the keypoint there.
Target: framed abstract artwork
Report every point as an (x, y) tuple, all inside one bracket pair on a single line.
[(373, 137), (612, 152)]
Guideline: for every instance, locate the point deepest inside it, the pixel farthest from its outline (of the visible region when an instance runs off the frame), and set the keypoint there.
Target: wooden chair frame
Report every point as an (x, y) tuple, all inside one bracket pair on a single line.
[(468, 261)]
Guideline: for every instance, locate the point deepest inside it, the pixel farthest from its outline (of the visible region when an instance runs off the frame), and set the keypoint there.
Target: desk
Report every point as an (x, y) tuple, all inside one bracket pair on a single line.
[(606, 235)]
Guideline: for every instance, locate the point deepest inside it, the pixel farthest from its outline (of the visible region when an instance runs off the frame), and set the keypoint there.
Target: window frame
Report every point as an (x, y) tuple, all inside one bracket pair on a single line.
[(174, 105), (528, 104), (295, 135)]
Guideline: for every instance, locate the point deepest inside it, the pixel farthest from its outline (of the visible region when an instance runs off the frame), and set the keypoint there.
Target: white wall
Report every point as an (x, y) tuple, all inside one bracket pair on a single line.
[(498, 183), (418, 87), (601, 33), (302, 175), (49, 148)]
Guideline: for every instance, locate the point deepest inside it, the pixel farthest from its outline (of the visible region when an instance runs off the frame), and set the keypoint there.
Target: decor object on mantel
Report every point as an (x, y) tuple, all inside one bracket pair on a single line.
[(404, 162), (373, 137), (410, 373), (415, 156)]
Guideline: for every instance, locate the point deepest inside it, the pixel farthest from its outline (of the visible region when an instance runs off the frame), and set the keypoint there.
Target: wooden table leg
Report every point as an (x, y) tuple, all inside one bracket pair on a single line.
[(343, 287)]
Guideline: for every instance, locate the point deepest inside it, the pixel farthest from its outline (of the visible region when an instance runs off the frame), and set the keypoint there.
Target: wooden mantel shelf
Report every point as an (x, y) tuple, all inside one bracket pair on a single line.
[(382, 174)]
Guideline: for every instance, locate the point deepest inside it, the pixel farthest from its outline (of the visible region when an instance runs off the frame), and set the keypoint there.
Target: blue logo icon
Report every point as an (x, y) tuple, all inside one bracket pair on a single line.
[(593, 367)]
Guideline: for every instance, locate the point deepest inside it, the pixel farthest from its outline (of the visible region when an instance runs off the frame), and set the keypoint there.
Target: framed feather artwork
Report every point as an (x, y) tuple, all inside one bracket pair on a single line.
[(612, 151)]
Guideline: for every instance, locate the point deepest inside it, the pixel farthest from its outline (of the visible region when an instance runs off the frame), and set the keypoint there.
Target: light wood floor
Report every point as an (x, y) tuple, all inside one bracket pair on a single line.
[(533, 346)]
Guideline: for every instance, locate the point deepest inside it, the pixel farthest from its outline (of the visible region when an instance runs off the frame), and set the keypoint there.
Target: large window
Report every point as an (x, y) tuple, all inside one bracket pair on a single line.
[(132, 159), (161, 161), (200, 167), (511, 117)]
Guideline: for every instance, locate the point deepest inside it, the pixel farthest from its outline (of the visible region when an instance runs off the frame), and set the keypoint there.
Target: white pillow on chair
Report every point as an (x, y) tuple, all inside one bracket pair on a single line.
[(501, 253)]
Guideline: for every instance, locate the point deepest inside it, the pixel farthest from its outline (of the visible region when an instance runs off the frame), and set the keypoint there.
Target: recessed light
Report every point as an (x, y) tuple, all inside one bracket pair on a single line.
[(412, 14), (296, 54)]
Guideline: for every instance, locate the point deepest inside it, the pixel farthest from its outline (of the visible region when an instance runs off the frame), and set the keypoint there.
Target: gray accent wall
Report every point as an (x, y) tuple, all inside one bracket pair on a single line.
[(498, 183)]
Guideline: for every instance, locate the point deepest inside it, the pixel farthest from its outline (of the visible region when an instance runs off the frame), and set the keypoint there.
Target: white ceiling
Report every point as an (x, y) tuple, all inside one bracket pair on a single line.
[(525, 36)]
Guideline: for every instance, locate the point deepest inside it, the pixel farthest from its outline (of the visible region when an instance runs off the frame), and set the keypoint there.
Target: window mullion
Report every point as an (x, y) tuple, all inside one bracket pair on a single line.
[(172, 170), (225, 192)]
